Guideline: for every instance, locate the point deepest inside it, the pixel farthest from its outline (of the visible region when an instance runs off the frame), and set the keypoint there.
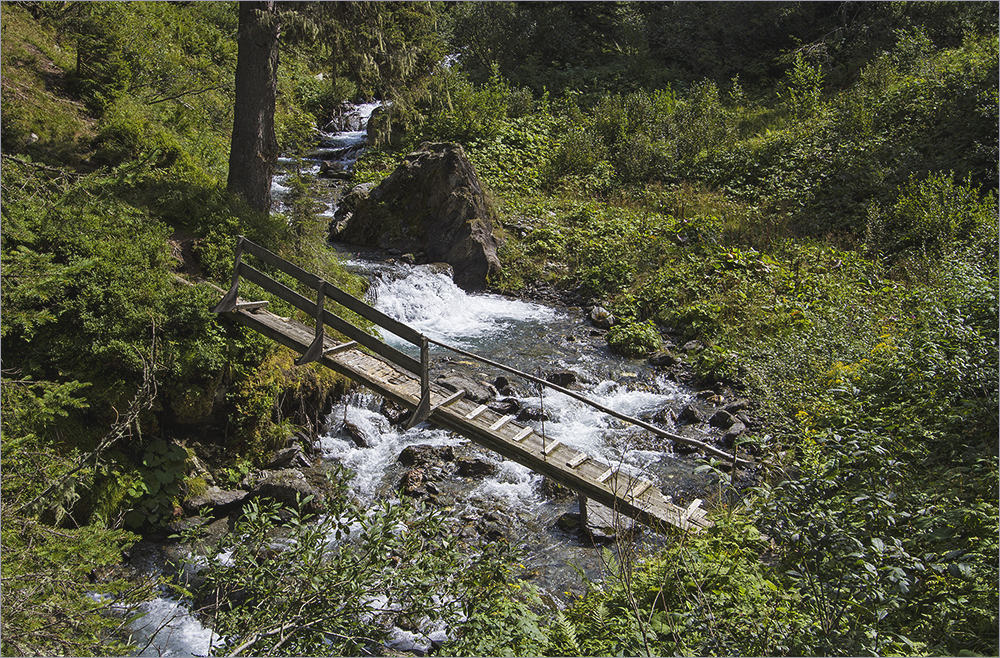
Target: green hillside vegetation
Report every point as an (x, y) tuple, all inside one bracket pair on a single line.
[(807, 189)]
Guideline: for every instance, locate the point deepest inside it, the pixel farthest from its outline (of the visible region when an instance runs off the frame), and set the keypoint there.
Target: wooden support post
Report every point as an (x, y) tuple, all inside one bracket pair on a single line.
[(423, 409), (315, 350), (228, 302)]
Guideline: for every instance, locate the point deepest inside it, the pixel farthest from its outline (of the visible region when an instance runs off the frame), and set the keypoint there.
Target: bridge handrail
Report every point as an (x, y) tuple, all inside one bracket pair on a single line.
[(323, 317), (600, 407), (422, 367)]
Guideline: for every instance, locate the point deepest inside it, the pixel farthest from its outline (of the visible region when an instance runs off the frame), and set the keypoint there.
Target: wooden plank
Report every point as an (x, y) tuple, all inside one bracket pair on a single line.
[(639, 489), (691, 509), (249, 306), (522, 435), (448, 400), (579, 459), (500, 423), (477, 411), (343, 347), (605, 475), (549, 447)]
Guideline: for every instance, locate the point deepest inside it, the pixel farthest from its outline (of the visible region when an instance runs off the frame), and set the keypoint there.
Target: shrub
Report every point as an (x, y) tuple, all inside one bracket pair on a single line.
[(126, 133), (579, 153), (934, 217), (347, 577), (636, 339), (473, 113)]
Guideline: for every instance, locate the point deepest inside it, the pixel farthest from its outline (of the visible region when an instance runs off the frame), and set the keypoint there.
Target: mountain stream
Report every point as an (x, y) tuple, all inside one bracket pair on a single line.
[(531, 337)]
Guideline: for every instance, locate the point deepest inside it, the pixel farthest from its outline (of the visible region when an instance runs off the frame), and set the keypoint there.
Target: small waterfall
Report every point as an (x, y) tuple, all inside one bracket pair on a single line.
[(426, 298), (337, 150)]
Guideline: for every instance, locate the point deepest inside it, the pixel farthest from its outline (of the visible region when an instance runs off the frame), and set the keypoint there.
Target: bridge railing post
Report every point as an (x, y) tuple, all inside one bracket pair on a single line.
[(423, 409), (228, 302), (315, 350)]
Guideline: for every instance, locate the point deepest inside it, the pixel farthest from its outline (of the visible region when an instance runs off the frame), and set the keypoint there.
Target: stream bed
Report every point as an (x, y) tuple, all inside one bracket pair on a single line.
[(540, 340)]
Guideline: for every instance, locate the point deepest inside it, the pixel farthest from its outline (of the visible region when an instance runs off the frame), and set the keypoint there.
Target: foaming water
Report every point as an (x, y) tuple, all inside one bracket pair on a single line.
[(589, 430), (426, 298), (385, 442), (167, 628)]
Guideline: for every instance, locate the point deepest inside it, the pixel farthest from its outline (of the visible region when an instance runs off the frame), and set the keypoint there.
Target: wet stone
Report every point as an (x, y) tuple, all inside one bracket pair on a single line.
[(506, 407), (662, 359), (395, 413), (722, 419), (478, 392), (690, 415), (411, 482), (423, 454), (476, 467), (563, 379), (531, 414), (604, 524), (218, 500), (357, 435), (569, 522), (553, 490)]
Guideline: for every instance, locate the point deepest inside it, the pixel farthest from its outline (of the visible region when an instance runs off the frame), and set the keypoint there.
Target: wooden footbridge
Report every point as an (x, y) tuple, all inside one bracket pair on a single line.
[(406, 381)]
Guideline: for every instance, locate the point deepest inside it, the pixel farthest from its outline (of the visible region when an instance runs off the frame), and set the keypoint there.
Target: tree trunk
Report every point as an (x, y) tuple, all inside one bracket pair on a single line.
[(254, 149)]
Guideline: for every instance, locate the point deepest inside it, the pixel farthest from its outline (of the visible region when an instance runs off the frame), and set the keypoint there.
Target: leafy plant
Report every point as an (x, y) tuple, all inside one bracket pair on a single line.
[(339, 582), (635, 339)]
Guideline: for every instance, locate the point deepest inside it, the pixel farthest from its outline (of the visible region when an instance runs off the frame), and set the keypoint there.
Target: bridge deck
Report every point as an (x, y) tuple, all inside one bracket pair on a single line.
[(605, 483)]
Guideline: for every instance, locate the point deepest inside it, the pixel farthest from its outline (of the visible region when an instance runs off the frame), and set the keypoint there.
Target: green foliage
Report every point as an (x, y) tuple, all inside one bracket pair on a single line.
[(934, 218), (805, 87), (126, 134), (156, 492), (578, 154), (336, 582), (707, 594), (51, 602), (472, 113), (634, 339)]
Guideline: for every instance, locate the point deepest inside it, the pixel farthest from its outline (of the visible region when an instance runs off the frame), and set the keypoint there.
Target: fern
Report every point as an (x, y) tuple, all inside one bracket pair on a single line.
[(599, 616), (566, 630)]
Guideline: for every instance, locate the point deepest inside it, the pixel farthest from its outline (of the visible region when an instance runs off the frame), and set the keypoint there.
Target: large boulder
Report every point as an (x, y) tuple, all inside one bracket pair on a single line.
[(432, 204)]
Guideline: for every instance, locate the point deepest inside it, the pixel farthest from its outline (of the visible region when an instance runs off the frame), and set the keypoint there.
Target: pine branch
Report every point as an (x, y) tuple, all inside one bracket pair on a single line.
[(142, 401)]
